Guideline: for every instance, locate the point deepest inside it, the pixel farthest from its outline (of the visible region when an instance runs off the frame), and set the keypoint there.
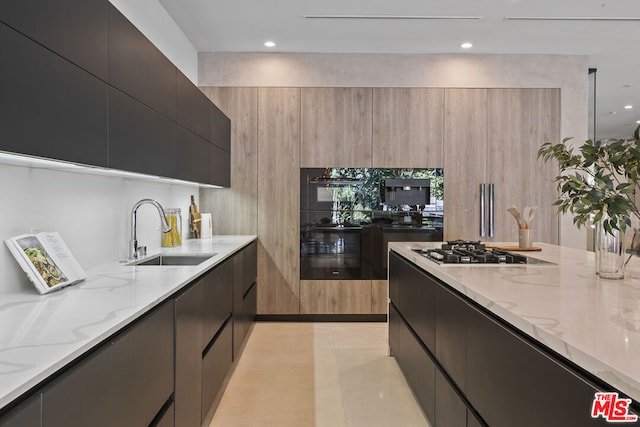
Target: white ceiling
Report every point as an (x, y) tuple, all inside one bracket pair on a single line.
[(607, 31)]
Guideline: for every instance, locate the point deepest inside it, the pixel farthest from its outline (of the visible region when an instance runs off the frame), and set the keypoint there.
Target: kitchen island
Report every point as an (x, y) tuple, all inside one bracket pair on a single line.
[(488, 329), (42, 336)]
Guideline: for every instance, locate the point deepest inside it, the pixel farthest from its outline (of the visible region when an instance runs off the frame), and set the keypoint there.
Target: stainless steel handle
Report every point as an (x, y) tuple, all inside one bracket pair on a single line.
[(492, 210), (483, 229)]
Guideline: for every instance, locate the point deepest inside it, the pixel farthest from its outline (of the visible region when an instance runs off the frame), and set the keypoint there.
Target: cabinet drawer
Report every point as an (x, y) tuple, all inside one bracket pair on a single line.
[(125, 382), (26, 414), (215, 365), (217, 300)]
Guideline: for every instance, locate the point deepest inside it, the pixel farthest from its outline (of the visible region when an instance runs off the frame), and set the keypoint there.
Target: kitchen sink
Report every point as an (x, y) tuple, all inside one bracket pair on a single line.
[(164, 259)]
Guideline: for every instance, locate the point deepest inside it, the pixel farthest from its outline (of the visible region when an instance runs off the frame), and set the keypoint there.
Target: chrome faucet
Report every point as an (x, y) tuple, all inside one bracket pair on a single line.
[(134, 251)]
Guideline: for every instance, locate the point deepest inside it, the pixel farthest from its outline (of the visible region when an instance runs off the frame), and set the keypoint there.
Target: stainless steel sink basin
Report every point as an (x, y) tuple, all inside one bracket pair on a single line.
[(164, 259)]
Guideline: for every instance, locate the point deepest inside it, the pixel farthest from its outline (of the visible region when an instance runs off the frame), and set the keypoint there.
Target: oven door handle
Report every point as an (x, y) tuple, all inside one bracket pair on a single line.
[(483, 229)]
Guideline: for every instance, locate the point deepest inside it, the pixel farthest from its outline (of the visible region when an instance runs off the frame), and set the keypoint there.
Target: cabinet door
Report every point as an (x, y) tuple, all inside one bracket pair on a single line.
[(217, 300), (140, 139), (75, 29), (450, 409), (138, 68), (26, 414), (278, 200), (220, 129), (336, 127), (519, 122), (407, 127), (465, 161), (510, 382), (50, 107), (219, 167), (188, 374), (125, 382), (216, 363), (193, 108), (238, 311), (451, 334), (193, 157)]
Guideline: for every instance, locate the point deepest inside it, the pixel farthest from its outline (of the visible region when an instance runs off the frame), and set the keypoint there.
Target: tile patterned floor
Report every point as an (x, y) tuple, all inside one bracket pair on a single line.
[(317, 374)]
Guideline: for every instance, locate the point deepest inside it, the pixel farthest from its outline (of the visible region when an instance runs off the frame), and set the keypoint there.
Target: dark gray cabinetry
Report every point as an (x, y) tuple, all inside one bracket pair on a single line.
[(484, 371), (220, 129), (244, 295), (138, 68), (509, 381), (125, 382), (216, 362), (220, 167), (188, 375), (193, 109), (26, 414), (140, 139), (74, 29), (50, 107), (193, 157), (167, 419), (217, 300)]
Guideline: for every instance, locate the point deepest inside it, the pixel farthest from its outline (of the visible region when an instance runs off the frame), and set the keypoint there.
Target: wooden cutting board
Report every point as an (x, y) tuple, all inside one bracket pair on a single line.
[(514, 248)]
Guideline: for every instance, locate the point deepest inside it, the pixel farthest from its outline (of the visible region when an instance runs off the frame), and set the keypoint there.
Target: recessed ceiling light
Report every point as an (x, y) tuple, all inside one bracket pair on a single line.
[(628, 107), (466, 45), (269, 43)]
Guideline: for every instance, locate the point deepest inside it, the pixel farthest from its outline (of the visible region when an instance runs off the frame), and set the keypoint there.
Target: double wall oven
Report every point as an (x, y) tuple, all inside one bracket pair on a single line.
[(345, 224)]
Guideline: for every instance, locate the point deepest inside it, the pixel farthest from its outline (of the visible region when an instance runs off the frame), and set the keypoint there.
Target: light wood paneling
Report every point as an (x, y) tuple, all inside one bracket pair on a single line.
[(379, 296), (335, 296), (235, 210), (465, 156), (278, 200), (408, 127), (336, 127), (519, 122)]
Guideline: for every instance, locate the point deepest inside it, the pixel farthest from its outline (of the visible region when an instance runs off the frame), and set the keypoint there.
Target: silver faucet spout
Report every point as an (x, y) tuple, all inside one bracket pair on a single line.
[(133, 243)]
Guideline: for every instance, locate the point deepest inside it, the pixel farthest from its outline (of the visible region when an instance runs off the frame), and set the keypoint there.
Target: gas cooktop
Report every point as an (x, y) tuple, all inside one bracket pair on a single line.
[(474, 252)]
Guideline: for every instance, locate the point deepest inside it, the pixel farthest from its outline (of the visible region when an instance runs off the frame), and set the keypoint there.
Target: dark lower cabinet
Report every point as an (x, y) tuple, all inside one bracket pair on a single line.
[(244, 295), (125, 382), (140, 139), (167, 419), (510, 382), (60, 26), (417, 367), (479, 371), (217, 300), (188, 374), (216, 361), (450, 409), (26, 414), (50, 107)]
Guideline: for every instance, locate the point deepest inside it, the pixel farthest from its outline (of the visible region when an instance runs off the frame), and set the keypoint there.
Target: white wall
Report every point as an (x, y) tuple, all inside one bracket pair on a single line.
[(151, 18), (567, 72), (91, 212)]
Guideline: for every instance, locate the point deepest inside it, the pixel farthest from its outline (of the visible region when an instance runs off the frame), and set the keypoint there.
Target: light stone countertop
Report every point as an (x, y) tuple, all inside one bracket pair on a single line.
[(593, 322), (39, 334)]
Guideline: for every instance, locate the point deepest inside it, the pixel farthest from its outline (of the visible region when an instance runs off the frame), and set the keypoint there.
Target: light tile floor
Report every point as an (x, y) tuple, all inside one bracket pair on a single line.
[(317, 374)]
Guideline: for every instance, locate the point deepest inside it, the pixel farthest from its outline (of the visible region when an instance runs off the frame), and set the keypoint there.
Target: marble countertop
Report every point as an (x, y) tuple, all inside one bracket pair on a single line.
[(593, 322), (39, 334)]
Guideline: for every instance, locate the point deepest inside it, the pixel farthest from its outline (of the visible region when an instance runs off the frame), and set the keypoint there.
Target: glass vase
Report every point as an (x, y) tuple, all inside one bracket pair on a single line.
[(610, 253)]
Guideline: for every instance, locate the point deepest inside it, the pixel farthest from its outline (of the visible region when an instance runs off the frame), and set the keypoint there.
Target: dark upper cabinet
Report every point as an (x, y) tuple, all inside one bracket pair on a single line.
[(220, 167), (140, 139), (75, 29), (138, 68), (220, 129), (49, 107), (192, 161), (193, 108)]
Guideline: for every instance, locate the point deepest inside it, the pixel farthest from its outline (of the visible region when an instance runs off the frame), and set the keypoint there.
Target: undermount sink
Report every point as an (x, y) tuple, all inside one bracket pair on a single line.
[(164, 259)]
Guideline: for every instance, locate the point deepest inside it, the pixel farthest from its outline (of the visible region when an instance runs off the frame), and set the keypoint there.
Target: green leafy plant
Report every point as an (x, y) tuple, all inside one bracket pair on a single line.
[(599, 181)]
